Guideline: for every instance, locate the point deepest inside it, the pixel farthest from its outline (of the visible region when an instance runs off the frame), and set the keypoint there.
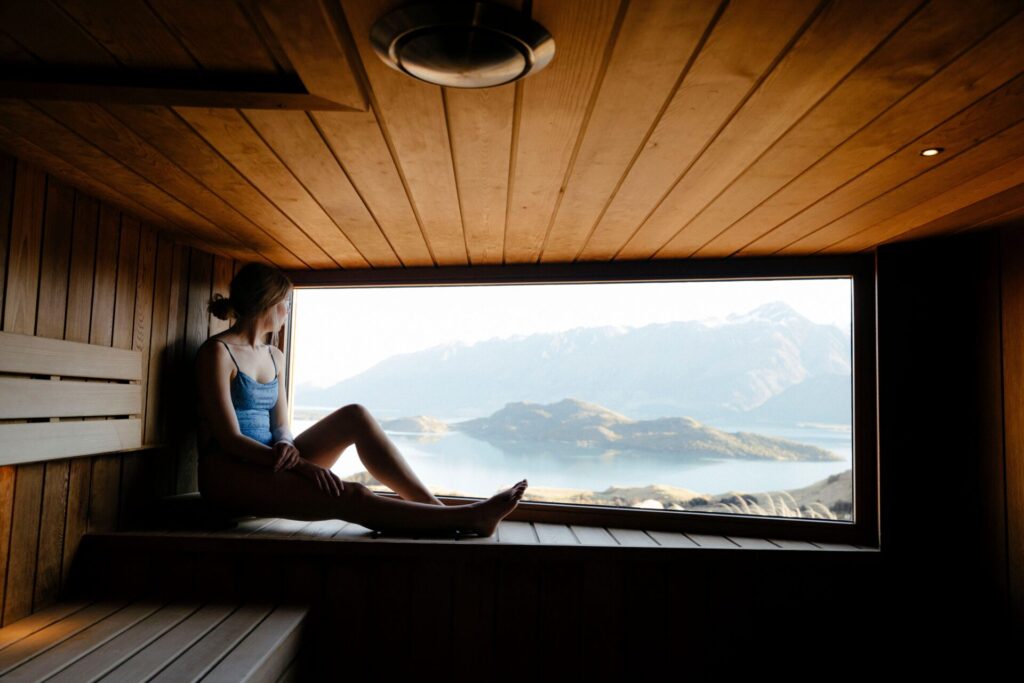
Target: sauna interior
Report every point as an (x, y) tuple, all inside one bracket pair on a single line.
[(151, 148)]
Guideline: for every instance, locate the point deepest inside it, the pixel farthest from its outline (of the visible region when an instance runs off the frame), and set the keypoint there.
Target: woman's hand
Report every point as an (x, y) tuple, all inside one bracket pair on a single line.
[(325, 479), (287, 456)]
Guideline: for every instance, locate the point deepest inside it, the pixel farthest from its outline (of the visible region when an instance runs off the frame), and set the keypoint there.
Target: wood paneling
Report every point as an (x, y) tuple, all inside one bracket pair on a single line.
[(660, 130), (79, 269)]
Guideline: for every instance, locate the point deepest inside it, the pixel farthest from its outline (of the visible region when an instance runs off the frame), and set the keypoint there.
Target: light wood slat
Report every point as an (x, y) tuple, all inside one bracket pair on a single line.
[(25, 149), (553, 110), (69, 650), (480, 123), (353, 532), (669, 539), (324, 528), (939, 192), (306, 31), (29, 122), (56, 633), (967, 140), (51, 35), (838, 39), (250, 526), (282, 528), (837, 546), (31, 355), (199, 659), (296, 141), (725, 70), (122, 647), (712, 541), (791, 213), (37, 441), (38, 620), (787, 544), (106, 132), (1000, 209), (170, 645), (753, 543), (412, 118), (632, 93), (25, 398), (229, 133), (555, 534), (593, 535), (358, 143), (202, 26), (130, 32), (266, 652), (633, 538), (930, 39), (283, 241), (291, 674), (513, 533)]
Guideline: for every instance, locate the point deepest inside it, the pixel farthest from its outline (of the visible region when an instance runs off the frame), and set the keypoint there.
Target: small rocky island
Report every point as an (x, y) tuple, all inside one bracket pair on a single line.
[(571, 422), (419, 424)]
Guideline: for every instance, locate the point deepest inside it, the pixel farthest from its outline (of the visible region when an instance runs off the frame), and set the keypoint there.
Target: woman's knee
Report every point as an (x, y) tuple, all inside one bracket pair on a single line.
[(355, 410)]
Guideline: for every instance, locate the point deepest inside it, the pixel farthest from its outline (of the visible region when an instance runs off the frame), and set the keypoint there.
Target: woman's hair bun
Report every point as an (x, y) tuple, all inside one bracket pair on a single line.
[(221, 306)]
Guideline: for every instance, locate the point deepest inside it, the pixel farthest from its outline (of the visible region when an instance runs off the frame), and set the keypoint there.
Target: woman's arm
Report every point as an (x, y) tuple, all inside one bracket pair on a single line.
[(213, 378), (279, 427)]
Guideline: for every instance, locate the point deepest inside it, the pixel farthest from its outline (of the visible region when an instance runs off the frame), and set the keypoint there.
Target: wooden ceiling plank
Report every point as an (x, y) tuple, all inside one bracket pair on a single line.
[(12, 53), (555, 106), (103, 130), (726, 69), (982, 69), (232, 136), (29, 151), (839, 212), (480, 125), (202, 26), (932, 38), (631, 98), (51, 35), (412, 119), (163, 129), (30, 123), (307, 34), (358, 143), (998, 209), (130, 32), (298, 144), (989, 168), (838, 40)]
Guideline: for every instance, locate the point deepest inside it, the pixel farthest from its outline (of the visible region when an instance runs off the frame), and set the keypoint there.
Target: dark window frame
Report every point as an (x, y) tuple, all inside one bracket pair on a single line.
[(864, 531)]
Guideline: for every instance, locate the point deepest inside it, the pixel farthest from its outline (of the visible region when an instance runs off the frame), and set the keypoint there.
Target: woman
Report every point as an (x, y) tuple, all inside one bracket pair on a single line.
[(249, 462)]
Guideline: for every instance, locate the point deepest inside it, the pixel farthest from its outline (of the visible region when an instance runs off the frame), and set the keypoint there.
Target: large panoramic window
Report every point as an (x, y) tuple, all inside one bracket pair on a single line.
[(726, 396)]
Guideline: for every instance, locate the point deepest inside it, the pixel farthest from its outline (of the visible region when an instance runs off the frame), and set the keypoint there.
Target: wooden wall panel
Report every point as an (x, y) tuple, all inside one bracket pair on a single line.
[(1012, 283), (77, 268)]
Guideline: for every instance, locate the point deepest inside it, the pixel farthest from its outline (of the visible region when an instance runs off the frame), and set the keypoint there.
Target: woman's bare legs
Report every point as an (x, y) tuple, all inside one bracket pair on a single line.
[(324, 442), (250, 489)]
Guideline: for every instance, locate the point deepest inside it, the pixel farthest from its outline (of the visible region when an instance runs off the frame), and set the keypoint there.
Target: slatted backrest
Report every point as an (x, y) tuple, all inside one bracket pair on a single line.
[(60, 399)]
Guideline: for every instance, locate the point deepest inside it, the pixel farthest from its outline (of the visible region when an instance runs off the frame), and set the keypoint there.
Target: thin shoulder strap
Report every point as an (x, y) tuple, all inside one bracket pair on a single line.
[(230, 354), (271, 351)]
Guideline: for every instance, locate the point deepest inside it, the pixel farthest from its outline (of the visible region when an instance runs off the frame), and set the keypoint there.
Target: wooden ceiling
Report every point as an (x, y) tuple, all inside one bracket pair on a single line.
[(269, 130)]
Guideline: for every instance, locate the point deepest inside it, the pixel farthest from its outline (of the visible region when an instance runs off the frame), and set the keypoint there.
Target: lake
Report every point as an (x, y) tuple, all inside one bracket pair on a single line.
[(477, 468)]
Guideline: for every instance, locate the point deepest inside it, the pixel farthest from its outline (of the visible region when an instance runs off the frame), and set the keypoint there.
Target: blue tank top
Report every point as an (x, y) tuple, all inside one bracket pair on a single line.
[(253, 401)]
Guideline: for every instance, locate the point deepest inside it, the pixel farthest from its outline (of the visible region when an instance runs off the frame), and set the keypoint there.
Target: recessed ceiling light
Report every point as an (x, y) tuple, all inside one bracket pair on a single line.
[(931, 151), (462, 43)]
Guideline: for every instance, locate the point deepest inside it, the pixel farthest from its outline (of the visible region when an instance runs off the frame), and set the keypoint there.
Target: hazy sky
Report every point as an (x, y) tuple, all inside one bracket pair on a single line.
[(344, 331)]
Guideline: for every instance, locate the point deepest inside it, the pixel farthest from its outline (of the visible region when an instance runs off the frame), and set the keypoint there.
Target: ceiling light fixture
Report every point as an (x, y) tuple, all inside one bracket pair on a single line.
[(462, 43), (932, 151)]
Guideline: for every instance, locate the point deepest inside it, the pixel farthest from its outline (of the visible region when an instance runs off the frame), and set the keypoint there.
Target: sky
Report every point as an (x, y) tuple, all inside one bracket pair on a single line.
[(340, 332)]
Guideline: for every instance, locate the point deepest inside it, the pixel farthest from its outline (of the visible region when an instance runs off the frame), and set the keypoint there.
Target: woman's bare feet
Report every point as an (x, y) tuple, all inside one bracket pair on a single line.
[(494, 509)]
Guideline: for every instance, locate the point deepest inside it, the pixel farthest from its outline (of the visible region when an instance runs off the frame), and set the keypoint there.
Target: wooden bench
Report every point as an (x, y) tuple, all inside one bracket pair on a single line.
[(60, 399), (154, 640)]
